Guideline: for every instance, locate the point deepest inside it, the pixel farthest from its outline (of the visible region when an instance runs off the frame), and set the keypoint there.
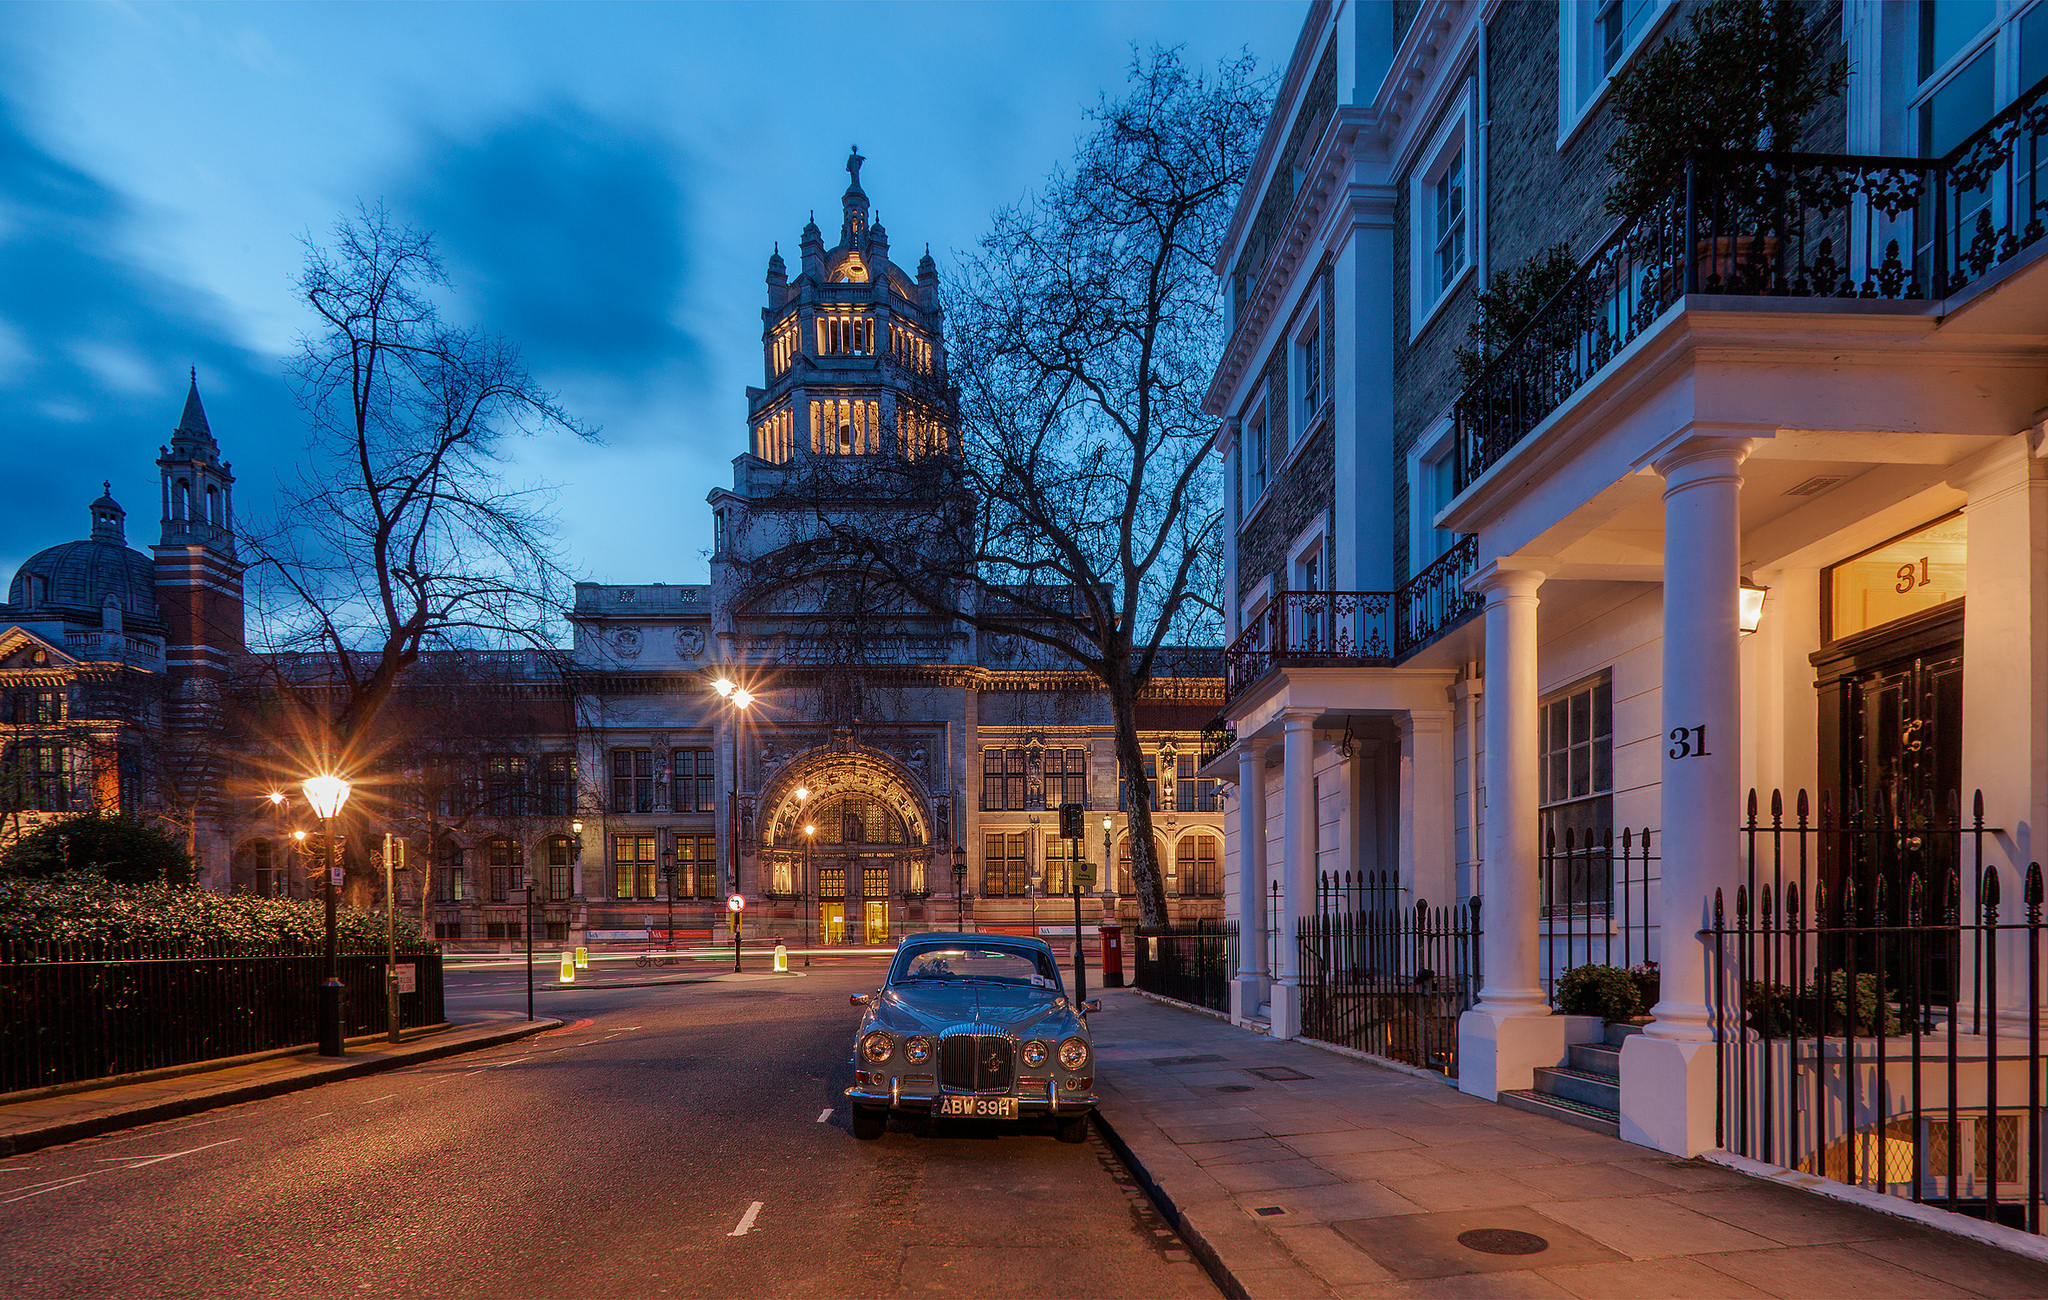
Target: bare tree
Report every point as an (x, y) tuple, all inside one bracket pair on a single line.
[(399, 534), (1079, 515)]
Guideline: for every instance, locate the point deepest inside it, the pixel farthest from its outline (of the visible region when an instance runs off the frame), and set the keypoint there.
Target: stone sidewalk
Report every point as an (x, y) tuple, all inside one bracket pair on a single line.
[(31, 1122), (1299, 1172)]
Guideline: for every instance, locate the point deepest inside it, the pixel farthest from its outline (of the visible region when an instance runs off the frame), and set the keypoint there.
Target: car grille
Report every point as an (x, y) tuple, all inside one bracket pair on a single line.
[(980, 1062)]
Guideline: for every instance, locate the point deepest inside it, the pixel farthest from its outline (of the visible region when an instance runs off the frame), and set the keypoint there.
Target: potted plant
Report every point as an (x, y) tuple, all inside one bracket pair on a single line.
[(1744, 78)]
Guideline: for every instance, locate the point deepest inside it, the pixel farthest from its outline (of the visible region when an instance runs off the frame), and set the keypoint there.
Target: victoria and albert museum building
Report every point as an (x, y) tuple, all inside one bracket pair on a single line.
[(686, 747)]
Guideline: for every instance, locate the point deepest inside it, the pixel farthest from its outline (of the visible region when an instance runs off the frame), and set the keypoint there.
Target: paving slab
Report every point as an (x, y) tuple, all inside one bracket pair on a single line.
[(1359, 1180)]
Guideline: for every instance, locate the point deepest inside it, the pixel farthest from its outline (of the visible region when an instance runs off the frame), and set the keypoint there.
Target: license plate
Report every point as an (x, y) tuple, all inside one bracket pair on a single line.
[(979, 1107)]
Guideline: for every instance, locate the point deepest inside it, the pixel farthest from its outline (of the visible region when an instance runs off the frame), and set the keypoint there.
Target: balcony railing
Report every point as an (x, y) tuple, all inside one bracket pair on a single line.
[(1354, 628), (1781, 225)]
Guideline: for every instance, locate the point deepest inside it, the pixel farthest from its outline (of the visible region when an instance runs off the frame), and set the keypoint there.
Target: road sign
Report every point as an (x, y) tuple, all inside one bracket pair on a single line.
[(736, 903), (407, 976)]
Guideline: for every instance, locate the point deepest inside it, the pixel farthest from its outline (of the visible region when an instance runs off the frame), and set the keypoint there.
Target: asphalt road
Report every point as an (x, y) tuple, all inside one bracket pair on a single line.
[(681, 1138)]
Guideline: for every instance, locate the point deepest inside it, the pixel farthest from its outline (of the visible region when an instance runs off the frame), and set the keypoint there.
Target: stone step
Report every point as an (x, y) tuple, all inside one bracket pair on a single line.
[(1597, 1118), (1595, 1058), (1581, 1086), (1619, 1031)]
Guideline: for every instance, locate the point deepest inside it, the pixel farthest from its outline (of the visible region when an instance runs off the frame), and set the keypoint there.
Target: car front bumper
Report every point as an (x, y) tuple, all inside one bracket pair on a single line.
[(924, 1099)]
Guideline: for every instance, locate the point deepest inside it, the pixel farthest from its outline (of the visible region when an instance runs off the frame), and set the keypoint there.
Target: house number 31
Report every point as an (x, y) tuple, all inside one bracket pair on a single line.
[(1689, 742)]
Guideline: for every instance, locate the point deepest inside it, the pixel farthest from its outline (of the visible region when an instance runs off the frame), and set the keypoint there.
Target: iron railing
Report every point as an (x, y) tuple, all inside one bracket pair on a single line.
[(1391, 981), (75, 1011), (1372, 628), (1785, 225), (1217, 738), (1599, 902), (1877, 1018), (1191, 962)]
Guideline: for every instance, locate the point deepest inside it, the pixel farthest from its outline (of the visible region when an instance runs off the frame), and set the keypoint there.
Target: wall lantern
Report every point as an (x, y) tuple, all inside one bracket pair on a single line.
[(1751, 611)]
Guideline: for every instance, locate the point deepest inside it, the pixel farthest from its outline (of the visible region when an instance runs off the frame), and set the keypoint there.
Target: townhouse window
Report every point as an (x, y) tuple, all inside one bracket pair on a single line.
[(507, 862), (1575, 741), (558, 784), (1252, 452), (1596, 38), (1439, 204), (633, 870), (1308, 375), (1005, 870), (694, 781), (1308, 568), (1195, 860), (632, 780), (1976, 57), (1432, 484), (560, 868), (1066, 777), (1003, 780)]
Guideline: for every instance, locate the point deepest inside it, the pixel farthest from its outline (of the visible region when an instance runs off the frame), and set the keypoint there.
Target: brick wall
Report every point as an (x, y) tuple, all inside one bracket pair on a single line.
[(1318, 101), (1295, 498)]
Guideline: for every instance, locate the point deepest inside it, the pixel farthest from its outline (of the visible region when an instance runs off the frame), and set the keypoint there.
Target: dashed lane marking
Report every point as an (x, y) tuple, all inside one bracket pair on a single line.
[(374, 1100), (126, 1162), (746, 1221), (322, 1115), (137, 1162), (824, 1114)]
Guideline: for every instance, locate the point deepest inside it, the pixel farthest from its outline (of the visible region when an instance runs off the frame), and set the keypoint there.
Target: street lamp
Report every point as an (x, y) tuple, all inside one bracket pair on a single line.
[(327, 793), (960, 884), (668, 875), (1108, 881), (277, 825)]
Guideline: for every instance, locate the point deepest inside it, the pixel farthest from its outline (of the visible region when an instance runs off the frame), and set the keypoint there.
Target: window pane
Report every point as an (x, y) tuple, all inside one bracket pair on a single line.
[(1582, 717), (1603, 709), (1603, 764), (2033, 46), (1582, 775), (1946, 26), (1963, 104)]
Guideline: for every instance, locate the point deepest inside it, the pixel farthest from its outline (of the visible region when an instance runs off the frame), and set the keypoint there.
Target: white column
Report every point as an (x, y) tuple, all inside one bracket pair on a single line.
[(1249, 990), (1428, 808), (1510, 1031), (1298, 867), (1667, 1081)]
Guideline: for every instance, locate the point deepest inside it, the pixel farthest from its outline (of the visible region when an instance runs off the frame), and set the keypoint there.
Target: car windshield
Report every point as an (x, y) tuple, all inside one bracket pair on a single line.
[(972, 962)]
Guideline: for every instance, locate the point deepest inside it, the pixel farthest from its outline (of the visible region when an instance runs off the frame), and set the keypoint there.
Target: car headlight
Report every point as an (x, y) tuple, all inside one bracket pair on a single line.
[(917, 1051), (1034, 1053), (1073, 1054), (878, 1047)]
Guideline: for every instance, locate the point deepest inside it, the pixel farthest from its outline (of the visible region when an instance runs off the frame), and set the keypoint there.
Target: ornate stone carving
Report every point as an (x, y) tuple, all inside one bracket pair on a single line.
[(626, 643), (689, 643)]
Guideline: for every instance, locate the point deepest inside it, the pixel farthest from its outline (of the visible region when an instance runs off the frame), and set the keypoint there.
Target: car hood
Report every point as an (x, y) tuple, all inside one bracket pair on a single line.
[(975, 1007)]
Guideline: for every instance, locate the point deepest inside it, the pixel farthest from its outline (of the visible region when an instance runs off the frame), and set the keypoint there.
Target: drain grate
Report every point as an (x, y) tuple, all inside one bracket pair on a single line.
[(1502, 1241), (1278, 1073), (1269, 1209), (1235, 1087), (1182, 1060)]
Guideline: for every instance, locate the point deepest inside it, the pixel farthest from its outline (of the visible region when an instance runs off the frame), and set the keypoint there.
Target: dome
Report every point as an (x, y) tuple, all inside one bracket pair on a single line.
[(76, 580)]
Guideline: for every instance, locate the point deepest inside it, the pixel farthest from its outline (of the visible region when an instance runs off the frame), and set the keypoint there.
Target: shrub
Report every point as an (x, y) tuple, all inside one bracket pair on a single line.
[(118, 847), (1605, 991), (1649, 984), (1775, 1011), (81, 907), (1506, 306)]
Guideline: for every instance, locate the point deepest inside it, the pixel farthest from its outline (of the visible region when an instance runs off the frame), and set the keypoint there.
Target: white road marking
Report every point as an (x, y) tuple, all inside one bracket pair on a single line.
[(52, 1187), (322, 1115), (824, 1114), (137, 1162), (374, 1100), (746, 1221)]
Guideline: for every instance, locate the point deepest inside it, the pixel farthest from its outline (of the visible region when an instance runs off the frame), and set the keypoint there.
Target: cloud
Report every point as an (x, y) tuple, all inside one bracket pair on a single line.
[(565, 232), (93, 354)]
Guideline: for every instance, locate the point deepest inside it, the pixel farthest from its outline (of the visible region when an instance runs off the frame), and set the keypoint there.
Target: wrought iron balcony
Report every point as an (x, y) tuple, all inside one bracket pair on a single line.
[(1353, 628), (1217, 738), (1780, 225)]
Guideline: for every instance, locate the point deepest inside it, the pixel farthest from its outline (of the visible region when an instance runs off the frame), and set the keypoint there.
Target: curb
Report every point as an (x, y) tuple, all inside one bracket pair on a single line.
[(1198, 1245), (34, 1139)]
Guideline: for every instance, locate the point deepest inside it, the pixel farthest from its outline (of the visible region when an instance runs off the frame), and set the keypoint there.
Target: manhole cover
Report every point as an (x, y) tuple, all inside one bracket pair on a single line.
[(1182, 1060), (1279, 1073), (1269, 1209), (1235, 1087), (1502, 1241)]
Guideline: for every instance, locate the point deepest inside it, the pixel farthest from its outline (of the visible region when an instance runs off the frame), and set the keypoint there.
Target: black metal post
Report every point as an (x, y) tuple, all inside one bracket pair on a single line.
[(331, 1034), (735, 943), (529, 946), (803, 894), (1080, 950)]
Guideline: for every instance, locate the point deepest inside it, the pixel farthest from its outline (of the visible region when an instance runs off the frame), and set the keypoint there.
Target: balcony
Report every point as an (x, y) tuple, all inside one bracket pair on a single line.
[(1770, 225), (1353, 629)]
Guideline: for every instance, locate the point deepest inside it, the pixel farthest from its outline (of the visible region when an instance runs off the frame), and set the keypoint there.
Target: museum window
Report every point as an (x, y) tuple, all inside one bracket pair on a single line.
[(832, 883), (1192, 794), (38, 708), (1196, 865), (1003, 780), (632, 780), (507, 861), (1059, 865), (561, 859), (1066, 777), (633, 866), (1575, 771), (507, 788), (448, 870), (1005, 870), (697, 866), (262, 854), (558, 784), (42, 778), (694, 780), (874, 883), (1151, 785)]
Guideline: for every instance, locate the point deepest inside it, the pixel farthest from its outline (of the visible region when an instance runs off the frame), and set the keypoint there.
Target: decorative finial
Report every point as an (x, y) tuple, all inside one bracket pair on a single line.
[(106, 487), (195, 374)]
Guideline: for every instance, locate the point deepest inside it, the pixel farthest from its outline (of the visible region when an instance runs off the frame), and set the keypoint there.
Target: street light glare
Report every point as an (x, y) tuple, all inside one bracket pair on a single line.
[(742, 696), (723, 686), (298, 835), (810, 830), (276, 796), (327, 793), (802, 793)]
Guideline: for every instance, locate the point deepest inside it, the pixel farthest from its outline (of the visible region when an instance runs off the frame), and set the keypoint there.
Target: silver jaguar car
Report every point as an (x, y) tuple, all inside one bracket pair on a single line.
[(973, 1026)]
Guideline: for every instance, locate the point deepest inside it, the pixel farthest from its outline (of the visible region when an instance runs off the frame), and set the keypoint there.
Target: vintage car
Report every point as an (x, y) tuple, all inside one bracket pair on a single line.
[(973, 1026)]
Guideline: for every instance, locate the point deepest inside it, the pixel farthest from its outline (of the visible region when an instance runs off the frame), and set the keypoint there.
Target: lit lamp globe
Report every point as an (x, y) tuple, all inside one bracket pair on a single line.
[(742, 697), (326, 794)]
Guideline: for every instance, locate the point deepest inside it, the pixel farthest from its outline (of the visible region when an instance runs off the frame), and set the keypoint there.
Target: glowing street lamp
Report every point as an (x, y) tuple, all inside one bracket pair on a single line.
[(327, 793), (724, 687), (810, 831), (741, 696)]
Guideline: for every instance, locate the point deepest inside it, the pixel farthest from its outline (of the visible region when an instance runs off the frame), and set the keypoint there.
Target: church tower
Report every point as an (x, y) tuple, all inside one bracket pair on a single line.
[(853, 348), (198, 573)]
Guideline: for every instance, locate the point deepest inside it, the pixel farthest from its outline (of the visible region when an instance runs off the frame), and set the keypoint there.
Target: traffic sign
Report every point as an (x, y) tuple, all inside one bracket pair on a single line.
[(735, 903)]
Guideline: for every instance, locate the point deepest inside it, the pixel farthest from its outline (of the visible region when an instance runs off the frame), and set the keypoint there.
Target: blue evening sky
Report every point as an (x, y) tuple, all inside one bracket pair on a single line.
[(606, 181)]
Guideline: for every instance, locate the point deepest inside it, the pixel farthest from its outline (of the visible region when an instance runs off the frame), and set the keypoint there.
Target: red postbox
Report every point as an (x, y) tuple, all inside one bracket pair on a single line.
[(1112, 957)]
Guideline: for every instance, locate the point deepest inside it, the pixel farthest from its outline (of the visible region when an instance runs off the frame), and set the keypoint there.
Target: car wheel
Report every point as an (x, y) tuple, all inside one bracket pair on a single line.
[(868, 1123), (1072, 1130)]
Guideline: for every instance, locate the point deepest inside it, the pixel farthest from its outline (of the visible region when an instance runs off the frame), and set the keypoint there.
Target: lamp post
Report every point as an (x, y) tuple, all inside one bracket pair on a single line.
[(810, 833), (276, 798), (326, 794), (298, 854), (527, 872), (960, 884), (668, 876), (1108, 881)]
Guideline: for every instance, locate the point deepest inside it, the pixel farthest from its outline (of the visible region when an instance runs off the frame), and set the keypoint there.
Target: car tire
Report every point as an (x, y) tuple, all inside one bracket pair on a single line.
[(1072, 1130), (869, 1123)]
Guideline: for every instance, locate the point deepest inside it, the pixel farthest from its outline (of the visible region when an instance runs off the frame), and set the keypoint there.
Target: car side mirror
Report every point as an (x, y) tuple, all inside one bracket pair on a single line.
[(1092, 1004), (858, 1000)]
